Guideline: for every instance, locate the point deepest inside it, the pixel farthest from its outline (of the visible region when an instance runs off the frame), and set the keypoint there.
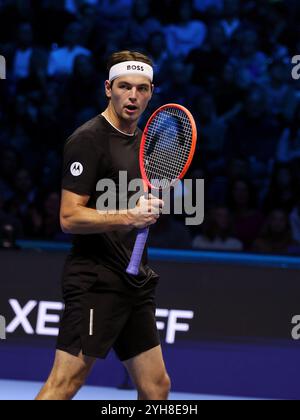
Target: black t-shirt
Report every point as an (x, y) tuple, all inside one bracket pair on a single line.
[(97, 151)]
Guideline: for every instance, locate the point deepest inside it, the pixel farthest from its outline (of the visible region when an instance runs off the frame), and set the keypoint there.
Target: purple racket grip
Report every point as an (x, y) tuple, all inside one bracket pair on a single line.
[(136, 257)]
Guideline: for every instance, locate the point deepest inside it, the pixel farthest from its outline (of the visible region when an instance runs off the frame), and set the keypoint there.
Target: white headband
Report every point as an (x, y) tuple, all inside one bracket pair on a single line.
[(131, 67)]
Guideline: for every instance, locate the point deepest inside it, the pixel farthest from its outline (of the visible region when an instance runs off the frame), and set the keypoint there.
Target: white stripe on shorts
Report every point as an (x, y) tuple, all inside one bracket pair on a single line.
[(91, 321)]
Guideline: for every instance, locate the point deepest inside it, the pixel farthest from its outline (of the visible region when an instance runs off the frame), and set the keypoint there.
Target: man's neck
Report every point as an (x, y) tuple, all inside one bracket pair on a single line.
[(121, 125)]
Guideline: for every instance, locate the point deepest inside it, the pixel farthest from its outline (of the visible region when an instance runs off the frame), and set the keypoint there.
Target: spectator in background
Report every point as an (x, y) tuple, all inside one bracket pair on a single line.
[(34, 84), (276, 236), (41, 218), (8, 237), (231, 13), (203, 6), (165, 10), (89, 17), (217, 233), (115, 9), (250, 62), (142, 25), (50, 170), (283, 189), (61, 60), (22, 126), (49, 124), (156, 47), (25, 192), (178, 87), (254, 133), (33, 221), (72, 6), (23, 52), (12, 13), (229, 95), (219, 177), (113, 23), (187, 34), (170, 233), (238, 169), (9, 165), (81, 89), (295, 221), (280, 94), (247, 220), (212, 128), (53, 17), (51, 226), (210, 58), (267, 15), (108, 44), (294, 166), (7, 219), (289, 144)]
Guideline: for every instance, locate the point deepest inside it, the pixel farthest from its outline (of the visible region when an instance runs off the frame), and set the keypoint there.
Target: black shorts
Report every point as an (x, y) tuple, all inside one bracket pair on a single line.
[(102, 311)]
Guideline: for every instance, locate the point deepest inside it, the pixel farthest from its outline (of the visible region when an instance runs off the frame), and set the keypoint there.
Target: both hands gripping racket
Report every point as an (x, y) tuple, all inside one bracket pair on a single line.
[(166, 152)]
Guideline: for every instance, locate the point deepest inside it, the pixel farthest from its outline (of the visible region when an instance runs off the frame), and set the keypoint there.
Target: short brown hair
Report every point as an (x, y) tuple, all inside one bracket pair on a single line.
[(121, 56)]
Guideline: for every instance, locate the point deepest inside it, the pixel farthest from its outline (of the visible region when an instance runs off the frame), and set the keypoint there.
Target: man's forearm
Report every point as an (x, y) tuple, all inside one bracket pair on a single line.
[(86, 221)]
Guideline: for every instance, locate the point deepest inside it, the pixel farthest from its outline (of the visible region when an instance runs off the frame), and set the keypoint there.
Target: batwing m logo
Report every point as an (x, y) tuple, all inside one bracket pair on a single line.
[(2, 67), (76, 169)]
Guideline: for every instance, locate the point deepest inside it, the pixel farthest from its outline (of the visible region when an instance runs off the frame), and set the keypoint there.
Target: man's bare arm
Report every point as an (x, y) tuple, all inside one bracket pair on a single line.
[(76, 218)]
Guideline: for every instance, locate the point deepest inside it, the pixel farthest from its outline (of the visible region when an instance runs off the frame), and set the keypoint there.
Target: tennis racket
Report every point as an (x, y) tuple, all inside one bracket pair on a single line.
[(166, 152)]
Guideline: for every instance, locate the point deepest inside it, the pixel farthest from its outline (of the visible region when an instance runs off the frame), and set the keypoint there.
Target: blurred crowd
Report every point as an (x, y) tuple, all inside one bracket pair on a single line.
[(228, 61)]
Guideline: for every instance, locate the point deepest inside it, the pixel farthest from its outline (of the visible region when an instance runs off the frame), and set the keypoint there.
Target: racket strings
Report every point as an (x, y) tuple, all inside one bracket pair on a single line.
[(169, 138), (167, 147)]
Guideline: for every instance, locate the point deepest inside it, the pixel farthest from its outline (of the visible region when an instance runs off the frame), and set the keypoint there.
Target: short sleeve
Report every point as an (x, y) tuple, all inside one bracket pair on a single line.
[(81, 164)]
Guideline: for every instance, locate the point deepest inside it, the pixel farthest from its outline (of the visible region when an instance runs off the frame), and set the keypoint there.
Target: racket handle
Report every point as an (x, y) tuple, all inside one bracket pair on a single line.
[(136, 257)]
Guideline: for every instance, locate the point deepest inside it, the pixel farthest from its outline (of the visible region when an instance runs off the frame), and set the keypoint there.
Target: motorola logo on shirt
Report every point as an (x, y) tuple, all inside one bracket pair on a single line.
[(76, 169)]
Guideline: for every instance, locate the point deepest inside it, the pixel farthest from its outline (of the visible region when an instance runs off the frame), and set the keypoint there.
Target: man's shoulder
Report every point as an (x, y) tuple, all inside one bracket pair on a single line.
[(89, 133)]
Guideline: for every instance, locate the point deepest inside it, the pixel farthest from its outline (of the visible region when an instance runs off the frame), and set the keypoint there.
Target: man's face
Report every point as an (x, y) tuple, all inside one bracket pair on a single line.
[(129, 96)]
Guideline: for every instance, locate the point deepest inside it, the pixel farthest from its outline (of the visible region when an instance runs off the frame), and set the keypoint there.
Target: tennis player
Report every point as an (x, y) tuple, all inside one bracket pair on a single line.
[(106, 308)]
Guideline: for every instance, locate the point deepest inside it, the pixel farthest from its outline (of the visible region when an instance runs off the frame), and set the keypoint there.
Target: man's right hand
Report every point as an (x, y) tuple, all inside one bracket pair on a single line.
[(146, 213)]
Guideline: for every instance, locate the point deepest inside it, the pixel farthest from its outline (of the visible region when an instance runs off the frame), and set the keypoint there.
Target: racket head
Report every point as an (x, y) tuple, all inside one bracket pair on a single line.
[(167, 147)]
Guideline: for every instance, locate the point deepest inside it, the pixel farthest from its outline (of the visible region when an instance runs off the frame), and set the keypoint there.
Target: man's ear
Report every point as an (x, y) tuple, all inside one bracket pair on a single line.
[(107, 88)]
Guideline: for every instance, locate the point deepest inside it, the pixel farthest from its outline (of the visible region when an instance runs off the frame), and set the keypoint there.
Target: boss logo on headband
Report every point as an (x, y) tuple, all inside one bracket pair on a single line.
[(133, 67)]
